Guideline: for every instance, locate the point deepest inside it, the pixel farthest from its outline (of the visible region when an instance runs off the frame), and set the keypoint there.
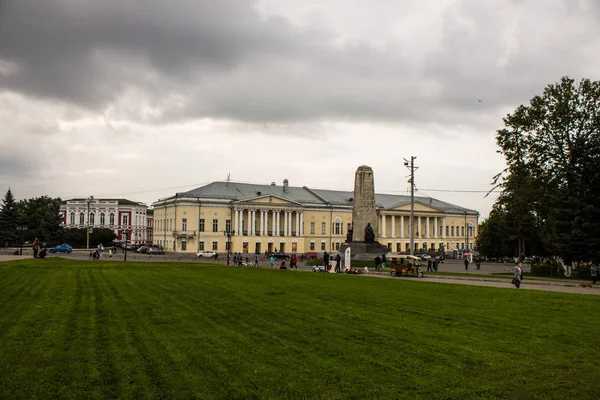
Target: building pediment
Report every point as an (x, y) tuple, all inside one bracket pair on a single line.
[(269, 200), (405, 206)]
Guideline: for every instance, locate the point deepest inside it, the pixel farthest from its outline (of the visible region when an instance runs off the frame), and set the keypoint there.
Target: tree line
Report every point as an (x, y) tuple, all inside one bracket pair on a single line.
[(23, 221), (550, 190)]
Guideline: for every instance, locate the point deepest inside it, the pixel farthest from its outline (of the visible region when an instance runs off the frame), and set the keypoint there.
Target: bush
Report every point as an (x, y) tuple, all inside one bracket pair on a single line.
[(582, 272), (553, 270)]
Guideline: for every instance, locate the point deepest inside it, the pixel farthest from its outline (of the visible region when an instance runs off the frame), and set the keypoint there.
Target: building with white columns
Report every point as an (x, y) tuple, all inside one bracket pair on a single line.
[(267, 218)]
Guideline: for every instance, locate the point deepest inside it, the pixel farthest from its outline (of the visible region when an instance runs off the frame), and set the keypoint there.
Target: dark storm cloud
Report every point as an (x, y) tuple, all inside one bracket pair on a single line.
[(221, 59)]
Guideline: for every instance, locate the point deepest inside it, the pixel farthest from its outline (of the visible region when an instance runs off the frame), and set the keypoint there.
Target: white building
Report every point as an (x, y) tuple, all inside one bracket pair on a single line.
[(130, 220)]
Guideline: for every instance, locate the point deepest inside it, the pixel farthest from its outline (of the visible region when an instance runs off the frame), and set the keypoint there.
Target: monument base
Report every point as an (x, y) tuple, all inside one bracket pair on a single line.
[(361, 251)]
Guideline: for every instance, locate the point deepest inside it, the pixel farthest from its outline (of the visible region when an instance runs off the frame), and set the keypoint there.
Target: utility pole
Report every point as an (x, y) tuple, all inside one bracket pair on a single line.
[(411, 167), (87, 230), (466, 230)]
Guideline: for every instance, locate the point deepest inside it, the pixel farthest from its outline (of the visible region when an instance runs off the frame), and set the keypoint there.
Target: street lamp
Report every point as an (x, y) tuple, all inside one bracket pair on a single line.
[(21, 228), (229, 234), (87, 234), (127, 232)]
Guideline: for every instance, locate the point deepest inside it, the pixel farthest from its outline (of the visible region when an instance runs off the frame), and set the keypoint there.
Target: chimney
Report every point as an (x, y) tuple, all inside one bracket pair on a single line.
[(285, 186), (273, 184)]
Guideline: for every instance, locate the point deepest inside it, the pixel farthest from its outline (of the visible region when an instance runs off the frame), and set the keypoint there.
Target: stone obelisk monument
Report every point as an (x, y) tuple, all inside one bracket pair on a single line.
[(363, 238), (364, 210)]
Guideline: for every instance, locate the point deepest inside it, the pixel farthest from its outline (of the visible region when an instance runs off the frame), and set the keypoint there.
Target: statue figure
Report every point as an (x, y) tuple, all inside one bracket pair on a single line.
[(369, 234), (349, 235)]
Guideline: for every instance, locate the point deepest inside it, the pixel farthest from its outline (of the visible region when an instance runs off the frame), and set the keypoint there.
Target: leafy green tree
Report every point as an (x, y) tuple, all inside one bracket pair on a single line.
[(51, 221), (41, 216), (9, 220), (76, 237), (552, 148)]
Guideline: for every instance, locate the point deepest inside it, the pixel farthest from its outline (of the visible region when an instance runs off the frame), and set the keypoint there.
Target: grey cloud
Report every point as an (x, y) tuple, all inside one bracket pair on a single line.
[(221, 59)]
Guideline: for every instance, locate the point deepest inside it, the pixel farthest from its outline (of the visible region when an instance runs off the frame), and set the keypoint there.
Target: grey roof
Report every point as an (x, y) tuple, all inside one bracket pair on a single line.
[(119, 201), (236, 191)]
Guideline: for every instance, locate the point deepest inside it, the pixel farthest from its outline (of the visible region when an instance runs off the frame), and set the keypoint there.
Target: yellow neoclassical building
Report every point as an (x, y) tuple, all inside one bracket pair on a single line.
[(292, 219)]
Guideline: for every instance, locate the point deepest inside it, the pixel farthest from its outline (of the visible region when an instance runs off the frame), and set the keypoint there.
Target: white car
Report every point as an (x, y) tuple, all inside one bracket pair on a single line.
[(206, 253)]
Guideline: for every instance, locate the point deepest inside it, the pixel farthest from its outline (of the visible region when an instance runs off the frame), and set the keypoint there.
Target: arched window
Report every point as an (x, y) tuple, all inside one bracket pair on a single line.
[(81, 219), (102, 219), (72, 218), (111, 219), (338, 226), (92, 218)]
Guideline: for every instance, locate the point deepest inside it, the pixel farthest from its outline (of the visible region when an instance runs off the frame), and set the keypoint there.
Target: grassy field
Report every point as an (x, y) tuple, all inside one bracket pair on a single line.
[(141, 330)]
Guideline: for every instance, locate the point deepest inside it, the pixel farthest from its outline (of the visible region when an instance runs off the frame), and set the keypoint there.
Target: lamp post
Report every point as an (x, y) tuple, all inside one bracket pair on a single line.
[(411, 167), (21, 228), (87, 230), (127, 232), (228, 233)]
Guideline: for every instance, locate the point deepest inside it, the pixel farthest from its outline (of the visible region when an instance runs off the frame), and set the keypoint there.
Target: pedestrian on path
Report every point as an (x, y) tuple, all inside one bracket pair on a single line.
[(338, 261), (594, 272), (36, 247), (256, 260), (466, 264), (429, 265), (272, 261), (518, 275)]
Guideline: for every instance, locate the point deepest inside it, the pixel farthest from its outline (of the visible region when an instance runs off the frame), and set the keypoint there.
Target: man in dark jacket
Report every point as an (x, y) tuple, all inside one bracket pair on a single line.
[(377, 263), (338, 260), (326, 261)]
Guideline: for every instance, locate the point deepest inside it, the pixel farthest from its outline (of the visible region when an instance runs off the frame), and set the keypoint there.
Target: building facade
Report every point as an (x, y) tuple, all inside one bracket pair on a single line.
[(251, 218), (131, 221)]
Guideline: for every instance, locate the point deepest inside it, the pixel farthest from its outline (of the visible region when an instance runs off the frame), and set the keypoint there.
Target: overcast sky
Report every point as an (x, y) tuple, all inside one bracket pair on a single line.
[(144, 98)]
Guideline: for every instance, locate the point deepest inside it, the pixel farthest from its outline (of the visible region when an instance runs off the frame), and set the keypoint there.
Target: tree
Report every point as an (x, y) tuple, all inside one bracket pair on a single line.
[(41, 216), (51, 221), (552, 148), (9, 220)]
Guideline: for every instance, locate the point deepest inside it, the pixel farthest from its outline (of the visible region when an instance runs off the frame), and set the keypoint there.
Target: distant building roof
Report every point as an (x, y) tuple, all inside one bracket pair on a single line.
[(119, 201), (236, 191)]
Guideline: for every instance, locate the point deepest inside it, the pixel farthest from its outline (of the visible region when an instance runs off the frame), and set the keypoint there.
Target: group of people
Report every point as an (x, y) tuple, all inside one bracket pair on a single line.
[(38, 252), (293, 262), (477, 262), (380, 262), (433, 264)]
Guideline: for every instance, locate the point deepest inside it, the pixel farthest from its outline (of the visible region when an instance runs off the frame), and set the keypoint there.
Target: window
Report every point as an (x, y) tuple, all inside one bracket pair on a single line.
[(425, 246), (227, 246), (92, 218), (348, 227), (337, 228), (312, 228), (72, 218), (462, 231), (228, 225), (126, 219), (337, 246), (441, 230), (201, 246), (215, 246), (447, 230), (183, 245), (462, 245), (452, 231), (102, 219), (215, 225), (111, 219), (183, 226), (312, 245), (323, 245), (81, 219), (323, 230), (201, 226)]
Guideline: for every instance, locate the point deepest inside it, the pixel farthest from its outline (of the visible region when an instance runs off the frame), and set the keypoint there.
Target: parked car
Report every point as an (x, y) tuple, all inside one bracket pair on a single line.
[(143, 249), (280, 256), (206, 253), (311, 255), (425, 256), (155, 250), (63, 248)]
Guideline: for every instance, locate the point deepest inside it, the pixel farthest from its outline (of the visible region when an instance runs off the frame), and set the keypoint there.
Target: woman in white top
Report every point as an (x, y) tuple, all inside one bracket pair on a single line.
[(518, 275)]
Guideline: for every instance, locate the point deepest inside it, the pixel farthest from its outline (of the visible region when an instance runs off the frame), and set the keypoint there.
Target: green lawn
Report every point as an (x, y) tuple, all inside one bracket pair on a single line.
[(141, 330)]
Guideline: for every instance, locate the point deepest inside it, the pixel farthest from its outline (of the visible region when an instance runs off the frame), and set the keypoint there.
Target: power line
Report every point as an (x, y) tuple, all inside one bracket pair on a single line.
[(462, 191)]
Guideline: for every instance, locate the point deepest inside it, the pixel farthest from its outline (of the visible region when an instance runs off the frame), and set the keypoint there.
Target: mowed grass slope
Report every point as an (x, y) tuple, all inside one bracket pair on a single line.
[(108, 330)]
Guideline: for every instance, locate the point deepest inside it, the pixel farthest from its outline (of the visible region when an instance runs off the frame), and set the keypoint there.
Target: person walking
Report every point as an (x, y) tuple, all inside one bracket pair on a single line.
[(338, 261), (256, 260), (326, 261), (478, 263), (272, 261), (429, 265), (36, 247), (294, 262), (518, 275), (594, 272), (377, 262), (383, 260), (466, 264)]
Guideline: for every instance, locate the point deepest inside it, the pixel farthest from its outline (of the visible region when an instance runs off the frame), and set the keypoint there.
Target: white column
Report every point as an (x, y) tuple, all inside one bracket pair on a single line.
[(277, 216), (427, 227), (402, 226), (297, 223), (287, 221), (262, 223), (419, 226), (444, 227), (236, 223), (393, 226), (302, 224), (435, 227), (290, 223), (251, 222), (273, 222), (383, 233)]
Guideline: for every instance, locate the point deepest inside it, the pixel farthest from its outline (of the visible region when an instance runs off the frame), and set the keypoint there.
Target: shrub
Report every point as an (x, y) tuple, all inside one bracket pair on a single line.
[(582, 272), (554, 270)]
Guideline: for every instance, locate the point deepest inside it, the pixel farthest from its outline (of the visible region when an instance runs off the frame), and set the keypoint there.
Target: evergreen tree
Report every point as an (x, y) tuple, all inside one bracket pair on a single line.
[(9, 220)]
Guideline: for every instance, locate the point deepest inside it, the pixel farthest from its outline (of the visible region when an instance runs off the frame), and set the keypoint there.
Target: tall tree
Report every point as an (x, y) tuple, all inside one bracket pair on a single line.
[(552, 148), (9, 220)]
